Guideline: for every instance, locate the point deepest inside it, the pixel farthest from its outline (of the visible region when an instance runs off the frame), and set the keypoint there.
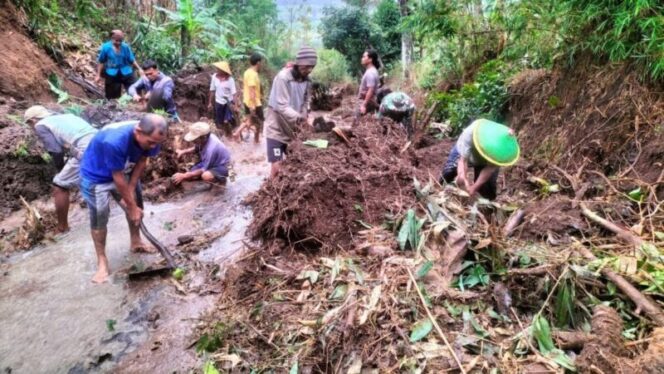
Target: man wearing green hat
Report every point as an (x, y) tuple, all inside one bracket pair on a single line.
[(62, 135), (397, 106), (288, 106), (486, 146)]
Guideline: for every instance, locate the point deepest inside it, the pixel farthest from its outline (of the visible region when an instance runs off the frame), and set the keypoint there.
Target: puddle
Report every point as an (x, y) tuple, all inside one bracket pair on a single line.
[(55, 320)]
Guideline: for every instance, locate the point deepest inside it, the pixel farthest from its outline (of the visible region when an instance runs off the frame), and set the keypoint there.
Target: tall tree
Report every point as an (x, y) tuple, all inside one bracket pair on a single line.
[(406, 42)]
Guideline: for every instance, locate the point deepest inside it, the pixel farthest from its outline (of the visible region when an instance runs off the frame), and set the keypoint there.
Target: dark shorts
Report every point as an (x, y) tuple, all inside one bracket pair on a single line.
[(220, 174), (488, 189), (98, 198), (223, 117), (259, 112), (275, 150), (113, 85)]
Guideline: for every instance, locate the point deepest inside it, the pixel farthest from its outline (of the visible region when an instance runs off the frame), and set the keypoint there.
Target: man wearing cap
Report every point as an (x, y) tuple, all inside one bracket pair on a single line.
[(486, 146), (223, 90), (103, 175), (156, 89), (397, 106), (215, 157), (61, 134), (288, 106), (115, 65)]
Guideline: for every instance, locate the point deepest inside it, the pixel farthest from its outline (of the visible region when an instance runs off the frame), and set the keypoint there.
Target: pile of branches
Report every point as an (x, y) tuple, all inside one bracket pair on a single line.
[(417, 295)]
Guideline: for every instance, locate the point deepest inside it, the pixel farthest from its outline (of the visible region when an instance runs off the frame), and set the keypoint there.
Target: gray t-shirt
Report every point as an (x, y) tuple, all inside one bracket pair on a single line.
[(466, 147), (62, 131), (370, 79)]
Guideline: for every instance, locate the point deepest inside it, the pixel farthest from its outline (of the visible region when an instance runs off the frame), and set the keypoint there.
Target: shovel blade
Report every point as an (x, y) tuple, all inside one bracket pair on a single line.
[(149, 272)]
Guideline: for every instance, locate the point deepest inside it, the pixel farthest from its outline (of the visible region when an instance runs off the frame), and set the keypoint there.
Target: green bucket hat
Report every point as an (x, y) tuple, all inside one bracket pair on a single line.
[(494, 143)]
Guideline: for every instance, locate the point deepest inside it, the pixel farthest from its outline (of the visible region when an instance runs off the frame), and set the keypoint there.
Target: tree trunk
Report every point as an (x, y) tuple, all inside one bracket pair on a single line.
[(406, 43)]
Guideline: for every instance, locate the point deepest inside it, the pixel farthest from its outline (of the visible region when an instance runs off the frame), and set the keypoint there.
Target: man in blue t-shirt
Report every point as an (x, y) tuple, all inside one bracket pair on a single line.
[(116, 60), (103, 174)]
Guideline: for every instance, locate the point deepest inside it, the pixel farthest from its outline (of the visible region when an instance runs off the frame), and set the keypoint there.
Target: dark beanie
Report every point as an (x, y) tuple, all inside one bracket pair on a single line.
[(306, 56)]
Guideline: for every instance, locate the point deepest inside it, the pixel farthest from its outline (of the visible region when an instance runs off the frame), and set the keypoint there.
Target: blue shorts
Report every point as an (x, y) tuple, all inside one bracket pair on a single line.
[(275, 150), (98, 197)]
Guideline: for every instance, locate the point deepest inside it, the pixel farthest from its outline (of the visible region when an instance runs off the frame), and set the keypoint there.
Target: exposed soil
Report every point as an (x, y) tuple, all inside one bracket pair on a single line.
[(24, 171), (191, 93), (24, 66), (600, 116), (323, 197)]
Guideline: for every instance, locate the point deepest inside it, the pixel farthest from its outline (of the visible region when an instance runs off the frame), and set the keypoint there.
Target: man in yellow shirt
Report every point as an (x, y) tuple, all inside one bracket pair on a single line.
[(251, 95)]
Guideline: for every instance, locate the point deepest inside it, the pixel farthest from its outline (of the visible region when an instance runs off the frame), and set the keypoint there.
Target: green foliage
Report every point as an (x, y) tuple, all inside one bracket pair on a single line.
[(46, 157), (420, 330), (541, 331), (620, 31), (349, 31), (431, 20), (331, 68), (153, 42), (484, 98), (388, 19), (213, 340), (21, 150), (473, 275), (409, 233), (189, 21)]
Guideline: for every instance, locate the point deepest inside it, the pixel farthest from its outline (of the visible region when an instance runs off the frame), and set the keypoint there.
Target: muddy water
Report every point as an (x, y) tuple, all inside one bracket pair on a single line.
[(54, 320)]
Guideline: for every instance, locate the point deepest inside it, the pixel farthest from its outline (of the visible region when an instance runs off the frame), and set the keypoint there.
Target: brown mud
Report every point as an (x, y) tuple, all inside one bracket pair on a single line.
[(25, 66), (322, 198)]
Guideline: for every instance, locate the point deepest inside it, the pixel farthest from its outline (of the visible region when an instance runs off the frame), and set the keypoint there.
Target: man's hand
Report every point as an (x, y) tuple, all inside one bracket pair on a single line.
[(179, 153), (179, 177), (137, 98), (363, 109), (97, 79), (209, 107), (134, 213), (462, 182), (147, 96)]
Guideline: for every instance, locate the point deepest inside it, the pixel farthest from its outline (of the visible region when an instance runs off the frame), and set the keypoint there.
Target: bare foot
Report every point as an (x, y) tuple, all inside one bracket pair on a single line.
[(141, 247), (101, 276), (62, 229)]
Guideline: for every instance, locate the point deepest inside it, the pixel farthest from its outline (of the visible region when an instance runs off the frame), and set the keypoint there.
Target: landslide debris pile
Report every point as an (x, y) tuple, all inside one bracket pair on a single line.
[(446, 286), (323, 197)]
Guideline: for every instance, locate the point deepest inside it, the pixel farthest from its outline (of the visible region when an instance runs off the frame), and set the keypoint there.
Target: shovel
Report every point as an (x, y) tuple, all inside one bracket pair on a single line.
[(151, 270)]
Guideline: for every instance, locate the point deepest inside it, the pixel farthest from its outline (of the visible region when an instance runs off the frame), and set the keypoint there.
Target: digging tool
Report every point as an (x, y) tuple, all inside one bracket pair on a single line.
[(165, 253)]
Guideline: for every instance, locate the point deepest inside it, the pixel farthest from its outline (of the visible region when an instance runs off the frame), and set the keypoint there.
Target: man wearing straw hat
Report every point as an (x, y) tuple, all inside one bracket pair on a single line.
[(223, 91), (288, 106), (215, 157), (61, 134), (486, 146)]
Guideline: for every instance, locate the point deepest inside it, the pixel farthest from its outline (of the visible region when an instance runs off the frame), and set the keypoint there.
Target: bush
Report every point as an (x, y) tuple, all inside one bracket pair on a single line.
[(331, 68), (349, 31), (484, 98), (159, 46)]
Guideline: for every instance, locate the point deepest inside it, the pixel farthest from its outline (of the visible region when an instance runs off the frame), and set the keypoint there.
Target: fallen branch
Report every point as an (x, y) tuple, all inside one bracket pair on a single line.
[(620, 232), (86, 85), (641, 301), (435, 324), (514, 221)]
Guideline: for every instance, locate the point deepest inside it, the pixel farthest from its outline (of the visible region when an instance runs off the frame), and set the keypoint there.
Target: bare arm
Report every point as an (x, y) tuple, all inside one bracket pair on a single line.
[(369, 96), (484, 176), (134, 213), (185, 151), (139, 168), (100, 70), (210, 97)]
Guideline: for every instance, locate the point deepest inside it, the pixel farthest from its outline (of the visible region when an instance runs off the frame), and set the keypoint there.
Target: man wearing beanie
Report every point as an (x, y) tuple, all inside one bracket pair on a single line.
[(288, 106)]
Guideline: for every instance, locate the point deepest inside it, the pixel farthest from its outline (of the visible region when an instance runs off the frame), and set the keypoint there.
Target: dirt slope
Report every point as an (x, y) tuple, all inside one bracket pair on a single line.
[(24, 67)]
